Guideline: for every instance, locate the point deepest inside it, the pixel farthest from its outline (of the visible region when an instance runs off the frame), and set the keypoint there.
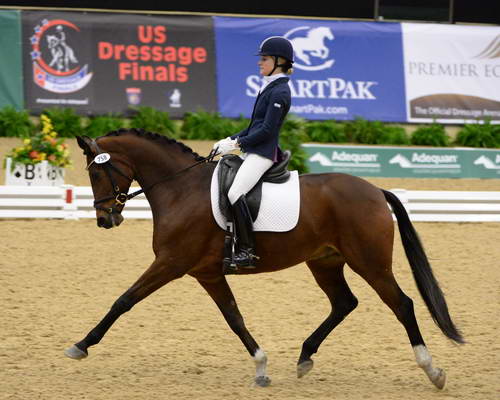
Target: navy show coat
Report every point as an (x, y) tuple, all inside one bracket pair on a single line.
[(270, 108)]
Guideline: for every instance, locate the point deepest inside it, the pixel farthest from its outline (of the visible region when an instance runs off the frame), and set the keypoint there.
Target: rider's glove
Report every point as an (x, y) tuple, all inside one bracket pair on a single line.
[(226, 145)]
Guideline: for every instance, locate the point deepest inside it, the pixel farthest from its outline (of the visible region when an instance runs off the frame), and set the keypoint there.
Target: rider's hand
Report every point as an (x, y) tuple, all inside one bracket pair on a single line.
[(227, 145), (216, 145)]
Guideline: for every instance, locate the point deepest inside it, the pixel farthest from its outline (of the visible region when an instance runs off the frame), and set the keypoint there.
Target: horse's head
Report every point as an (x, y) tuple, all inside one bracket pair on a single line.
[(322, 32), (52, 41), (110, 177)]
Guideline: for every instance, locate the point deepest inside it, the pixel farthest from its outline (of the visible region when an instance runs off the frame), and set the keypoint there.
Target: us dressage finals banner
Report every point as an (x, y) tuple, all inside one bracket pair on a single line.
[(100, 63)]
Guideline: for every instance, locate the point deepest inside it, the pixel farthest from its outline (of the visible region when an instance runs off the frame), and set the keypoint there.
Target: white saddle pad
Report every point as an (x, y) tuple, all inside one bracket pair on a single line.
[(279, 208)]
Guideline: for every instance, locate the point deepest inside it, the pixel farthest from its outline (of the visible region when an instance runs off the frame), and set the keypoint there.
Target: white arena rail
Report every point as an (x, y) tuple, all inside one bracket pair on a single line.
[(74, 202), (450, 206), (66, 202)]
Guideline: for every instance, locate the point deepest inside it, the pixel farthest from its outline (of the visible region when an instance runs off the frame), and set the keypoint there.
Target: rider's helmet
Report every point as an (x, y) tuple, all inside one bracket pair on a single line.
[(277, 46)]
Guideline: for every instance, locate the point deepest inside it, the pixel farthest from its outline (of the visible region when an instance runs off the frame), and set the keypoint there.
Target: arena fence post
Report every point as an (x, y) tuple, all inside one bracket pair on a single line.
[(68, 194)]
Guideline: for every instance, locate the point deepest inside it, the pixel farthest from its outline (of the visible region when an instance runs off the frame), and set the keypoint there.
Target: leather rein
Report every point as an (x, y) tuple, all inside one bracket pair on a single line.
[(121, 197)]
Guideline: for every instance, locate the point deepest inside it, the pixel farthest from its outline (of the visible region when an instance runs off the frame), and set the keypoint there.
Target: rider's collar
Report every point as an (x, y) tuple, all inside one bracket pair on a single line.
[(266, 80)]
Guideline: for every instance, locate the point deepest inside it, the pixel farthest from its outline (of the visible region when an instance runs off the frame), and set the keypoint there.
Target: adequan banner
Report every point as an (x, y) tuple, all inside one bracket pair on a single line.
[(452, 72), (342, 69), (404, 162), (99, 63)]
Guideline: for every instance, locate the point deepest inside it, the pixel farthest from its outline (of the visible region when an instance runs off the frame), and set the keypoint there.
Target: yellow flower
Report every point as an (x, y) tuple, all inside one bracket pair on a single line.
[(59, 147), (53, 134), (27, 141), (42, 156)]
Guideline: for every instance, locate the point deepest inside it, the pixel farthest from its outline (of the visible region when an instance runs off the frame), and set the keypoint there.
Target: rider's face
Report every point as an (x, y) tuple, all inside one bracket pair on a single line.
[(266, 65)]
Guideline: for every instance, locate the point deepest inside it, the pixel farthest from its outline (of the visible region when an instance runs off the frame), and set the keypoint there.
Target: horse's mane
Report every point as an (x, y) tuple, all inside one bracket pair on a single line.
[(156, 137)]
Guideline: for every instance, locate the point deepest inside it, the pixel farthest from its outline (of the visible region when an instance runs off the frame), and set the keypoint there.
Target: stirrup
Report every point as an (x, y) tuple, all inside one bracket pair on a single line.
[(230, 267)]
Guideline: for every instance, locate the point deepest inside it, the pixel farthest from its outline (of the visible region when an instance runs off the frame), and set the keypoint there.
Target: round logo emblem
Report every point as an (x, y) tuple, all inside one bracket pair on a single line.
[(56, 64)]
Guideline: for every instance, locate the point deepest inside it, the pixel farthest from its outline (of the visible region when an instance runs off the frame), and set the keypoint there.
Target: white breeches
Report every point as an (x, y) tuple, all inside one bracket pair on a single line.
[(251, 170)]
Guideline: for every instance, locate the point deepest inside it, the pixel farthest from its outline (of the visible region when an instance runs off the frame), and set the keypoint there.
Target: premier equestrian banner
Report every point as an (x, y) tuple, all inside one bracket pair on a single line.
[(99, 63), (11, 76), (452, 72), (404, 162), (342, 69)]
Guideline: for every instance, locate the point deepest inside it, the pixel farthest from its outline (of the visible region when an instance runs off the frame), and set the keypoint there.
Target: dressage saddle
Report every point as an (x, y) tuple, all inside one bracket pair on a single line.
[(228, 167)]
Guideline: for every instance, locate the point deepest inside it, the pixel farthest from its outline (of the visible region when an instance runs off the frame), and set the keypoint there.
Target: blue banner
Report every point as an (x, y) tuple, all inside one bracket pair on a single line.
[(342, 70)]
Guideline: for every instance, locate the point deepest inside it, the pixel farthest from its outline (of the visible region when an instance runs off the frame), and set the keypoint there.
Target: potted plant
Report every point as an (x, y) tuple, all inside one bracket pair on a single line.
[(41, 159)]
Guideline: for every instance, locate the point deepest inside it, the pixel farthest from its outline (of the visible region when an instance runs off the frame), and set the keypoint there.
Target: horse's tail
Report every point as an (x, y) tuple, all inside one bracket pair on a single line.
[(426, 282)]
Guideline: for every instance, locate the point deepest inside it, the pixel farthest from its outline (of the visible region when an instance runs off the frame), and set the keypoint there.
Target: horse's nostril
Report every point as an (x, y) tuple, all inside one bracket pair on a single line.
[(101, 221)]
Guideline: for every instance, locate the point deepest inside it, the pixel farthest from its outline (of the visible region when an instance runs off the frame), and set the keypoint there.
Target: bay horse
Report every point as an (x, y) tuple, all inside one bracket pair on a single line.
[(343, 220)]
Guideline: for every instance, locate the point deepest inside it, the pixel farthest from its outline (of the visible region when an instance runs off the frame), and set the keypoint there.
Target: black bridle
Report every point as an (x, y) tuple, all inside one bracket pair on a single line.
[(122, 197)]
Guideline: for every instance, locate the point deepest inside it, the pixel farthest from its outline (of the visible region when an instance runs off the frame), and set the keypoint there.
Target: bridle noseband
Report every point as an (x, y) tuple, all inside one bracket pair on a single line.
[(122, 197), (104, 160)]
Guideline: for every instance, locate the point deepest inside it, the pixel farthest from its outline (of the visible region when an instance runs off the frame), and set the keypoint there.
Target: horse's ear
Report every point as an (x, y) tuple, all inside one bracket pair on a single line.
[(85, 144)]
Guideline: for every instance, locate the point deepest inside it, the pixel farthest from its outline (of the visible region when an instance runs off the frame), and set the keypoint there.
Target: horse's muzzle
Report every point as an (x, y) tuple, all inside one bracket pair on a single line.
[(109, 220)]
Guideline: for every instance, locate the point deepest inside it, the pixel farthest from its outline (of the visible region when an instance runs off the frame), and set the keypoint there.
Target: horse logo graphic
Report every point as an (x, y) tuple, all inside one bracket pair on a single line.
[(175, 98), (62, 54), (401, 160), (322, 159), (310, 50), (486, 163)]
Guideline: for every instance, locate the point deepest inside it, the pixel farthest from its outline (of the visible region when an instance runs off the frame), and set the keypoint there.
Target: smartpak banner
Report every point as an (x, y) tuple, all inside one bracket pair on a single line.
[(99, 63), (342, 70), (404, 162)]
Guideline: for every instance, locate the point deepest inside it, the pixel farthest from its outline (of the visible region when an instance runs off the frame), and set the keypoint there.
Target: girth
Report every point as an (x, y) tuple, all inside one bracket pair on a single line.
[(228, 167)]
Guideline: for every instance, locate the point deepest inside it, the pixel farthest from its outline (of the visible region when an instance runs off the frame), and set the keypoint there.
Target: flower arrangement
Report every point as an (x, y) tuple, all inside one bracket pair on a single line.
[(44, 145)]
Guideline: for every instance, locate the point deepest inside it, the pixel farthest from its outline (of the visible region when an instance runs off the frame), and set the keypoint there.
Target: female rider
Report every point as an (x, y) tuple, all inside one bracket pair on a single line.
[(259, 142)]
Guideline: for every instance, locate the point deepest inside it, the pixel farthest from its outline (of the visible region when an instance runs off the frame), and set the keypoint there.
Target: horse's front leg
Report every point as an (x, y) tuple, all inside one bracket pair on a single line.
[(156, 276), (221, 293)]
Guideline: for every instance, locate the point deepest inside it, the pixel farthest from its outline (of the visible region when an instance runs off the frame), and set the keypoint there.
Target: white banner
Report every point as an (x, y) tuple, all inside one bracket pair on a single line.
[(452, 72)]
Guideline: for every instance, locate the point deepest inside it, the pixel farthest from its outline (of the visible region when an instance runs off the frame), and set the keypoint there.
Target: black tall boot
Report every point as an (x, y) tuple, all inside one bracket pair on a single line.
[(244, 255)]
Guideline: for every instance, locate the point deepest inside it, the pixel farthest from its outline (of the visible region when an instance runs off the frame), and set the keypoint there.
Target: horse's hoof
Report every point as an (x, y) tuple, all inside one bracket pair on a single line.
[(262, 381), (75, 353), (440, 379), (304, 367)]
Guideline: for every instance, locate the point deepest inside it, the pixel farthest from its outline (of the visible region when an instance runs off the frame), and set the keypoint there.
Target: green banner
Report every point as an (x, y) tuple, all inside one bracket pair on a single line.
[(404, 162), (11, 70)]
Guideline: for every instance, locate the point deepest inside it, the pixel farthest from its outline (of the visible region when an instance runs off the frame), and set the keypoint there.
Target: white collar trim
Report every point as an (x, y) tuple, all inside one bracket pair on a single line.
[(266, 80)]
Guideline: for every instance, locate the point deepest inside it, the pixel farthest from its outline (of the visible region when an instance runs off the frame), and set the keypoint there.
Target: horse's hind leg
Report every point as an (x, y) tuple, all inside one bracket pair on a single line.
[(329, 274), (391, 294), (221, 293)]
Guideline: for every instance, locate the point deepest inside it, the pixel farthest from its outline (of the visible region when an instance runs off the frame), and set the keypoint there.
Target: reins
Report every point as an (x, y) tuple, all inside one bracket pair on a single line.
[(206, 159), (120, 197)]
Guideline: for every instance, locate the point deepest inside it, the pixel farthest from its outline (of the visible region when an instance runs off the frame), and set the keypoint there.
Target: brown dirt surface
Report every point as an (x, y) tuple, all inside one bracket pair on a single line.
[(59, 278)]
